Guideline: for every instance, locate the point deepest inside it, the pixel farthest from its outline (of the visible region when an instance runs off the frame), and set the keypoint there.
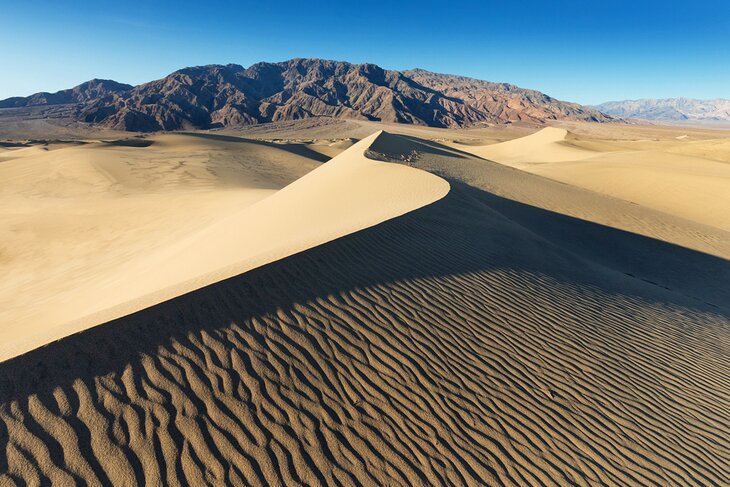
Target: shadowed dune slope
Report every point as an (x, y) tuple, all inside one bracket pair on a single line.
[(485, 339)]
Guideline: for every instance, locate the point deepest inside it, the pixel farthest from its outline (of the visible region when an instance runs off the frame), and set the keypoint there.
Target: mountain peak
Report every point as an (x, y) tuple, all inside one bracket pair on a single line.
[(85, 92)]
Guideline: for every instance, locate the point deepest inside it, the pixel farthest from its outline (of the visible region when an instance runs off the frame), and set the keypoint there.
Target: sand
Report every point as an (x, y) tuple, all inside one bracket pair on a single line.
[(546, 145), (668, 177), (200, 240), (504, 329)]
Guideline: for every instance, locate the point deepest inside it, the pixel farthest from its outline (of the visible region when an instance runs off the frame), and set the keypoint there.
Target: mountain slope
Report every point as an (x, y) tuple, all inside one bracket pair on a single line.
[(671, 109), (231, 95), (301, 88), (94, 89), (505, 102)]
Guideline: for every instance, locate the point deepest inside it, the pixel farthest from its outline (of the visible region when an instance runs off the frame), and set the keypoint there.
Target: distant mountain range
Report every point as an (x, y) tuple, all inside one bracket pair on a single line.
[(83, 93), (231, 95), (669, 109)]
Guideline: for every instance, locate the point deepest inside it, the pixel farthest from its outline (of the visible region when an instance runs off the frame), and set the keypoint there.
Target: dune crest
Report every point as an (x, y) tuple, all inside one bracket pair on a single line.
[(349, 193), (546, 145)]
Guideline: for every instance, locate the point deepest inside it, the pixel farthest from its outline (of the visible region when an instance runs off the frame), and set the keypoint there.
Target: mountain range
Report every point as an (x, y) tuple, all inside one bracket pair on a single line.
[(670, 109), (230, 95), (83, 93)]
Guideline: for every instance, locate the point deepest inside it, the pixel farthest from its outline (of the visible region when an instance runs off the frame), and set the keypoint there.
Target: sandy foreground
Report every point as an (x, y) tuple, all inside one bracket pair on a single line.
[(428, 307)]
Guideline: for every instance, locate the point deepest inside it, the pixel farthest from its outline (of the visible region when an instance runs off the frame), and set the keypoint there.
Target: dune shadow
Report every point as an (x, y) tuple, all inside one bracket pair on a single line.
[(693, 274), (131, 142), (438, 240), (12, 144), (298, 149), (395, 146)]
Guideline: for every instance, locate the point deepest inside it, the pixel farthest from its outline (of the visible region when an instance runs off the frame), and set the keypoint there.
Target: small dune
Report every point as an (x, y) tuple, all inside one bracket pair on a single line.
[(546, 145)]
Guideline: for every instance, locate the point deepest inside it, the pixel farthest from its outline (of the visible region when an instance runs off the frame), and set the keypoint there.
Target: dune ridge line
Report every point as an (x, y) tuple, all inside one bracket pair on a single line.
[(350, 192)]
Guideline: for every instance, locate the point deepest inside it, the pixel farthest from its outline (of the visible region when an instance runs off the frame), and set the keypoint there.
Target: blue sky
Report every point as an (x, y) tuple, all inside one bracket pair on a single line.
[(585, 51)]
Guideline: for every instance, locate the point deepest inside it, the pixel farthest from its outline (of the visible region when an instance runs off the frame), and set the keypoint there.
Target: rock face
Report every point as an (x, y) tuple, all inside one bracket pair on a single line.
[(670, 109), (231, 95), (500, 102), (95, 89)]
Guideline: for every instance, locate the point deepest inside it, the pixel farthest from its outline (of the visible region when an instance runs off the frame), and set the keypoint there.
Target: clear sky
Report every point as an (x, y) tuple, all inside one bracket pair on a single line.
[(578, 50)]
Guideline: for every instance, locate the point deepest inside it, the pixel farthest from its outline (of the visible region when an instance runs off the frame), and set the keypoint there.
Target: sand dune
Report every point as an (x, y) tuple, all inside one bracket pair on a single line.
[(546, 145), (518, 331), (331, 149), (690, 187), (254, 227), (664, 177), (714, 149)]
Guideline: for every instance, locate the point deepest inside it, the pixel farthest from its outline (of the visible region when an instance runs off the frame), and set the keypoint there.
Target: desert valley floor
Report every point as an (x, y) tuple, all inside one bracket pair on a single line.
[(350, 303)]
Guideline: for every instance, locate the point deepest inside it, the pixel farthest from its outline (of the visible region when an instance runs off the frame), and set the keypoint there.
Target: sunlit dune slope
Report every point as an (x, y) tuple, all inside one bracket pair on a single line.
[(546, 145), (664, 176), (173, 238)]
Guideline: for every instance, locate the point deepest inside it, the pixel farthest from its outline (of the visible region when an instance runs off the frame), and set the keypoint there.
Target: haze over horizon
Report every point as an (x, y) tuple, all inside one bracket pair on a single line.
[(587, 54)]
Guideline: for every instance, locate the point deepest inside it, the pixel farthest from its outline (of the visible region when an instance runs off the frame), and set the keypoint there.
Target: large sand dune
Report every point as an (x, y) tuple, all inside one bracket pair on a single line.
[(253, 225), (518, 331)]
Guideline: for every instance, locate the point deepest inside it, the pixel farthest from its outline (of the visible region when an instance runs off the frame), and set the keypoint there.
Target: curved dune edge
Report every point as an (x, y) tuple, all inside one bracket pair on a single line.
[(546, 145), (349, 193)]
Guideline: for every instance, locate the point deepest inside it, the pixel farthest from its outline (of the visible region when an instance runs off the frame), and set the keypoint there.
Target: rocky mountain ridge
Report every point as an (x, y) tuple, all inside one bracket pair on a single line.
[(230, 95), (94, 89)]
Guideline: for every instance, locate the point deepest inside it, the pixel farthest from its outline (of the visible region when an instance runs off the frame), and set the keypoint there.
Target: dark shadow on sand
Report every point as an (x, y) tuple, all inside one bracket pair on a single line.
[(131, 142), (293, 148), (438, 240)]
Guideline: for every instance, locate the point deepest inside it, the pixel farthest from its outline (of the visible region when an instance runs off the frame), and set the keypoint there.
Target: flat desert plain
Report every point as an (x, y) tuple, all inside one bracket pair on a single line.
[(351, 303)]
